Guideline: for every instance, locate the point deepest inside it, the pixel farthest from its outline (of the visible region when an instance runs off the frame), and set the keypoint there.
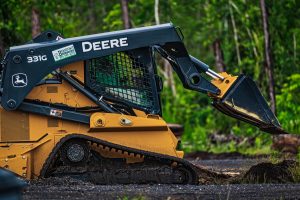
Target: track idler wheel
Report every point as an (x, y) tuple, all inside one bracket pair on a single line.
[(186, 176), (75, 152)]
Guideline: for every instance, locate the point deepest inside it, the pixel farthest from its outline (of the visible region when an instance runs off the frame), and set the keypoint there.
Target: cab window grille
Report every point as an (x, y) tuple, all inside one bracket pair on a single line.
[(123, 77)]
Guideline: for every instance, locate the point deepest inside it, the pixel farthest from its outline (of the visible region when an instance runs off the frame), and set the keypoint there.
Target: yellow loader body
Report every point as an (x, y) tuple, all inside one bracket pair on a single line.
[(26, 140)]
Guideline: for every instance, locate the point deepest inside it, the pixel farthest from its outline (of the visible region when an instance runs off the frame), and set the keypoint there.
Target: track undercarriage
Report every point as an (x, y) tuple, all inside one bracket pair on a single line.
[(81, 158)]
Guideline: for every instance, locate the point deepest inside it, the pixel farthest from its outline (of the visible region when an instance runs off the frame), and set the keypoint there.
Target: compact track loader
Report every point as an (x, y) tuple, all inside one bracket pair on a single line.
[(89, 107)]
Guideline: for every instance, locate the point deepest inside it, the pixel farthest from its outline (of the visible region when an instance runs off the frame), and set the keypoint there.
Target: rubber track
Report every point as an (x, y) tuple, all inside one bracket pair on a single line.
[(159, 157)]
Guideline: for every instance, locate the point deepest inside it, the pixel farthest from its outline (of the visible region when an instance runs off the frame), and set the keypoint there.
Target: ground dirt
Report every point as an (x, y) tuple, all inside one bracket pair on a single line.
[(238, 178), (68, 189)]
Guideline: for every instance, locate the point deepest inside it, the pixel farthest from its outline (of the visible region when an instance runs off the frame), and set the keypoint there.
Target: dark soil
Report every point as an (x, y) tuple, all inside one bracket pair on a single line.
[(287, 143), (264, 172), (214, 185), (74, 189), (202, 155), (271, 173)]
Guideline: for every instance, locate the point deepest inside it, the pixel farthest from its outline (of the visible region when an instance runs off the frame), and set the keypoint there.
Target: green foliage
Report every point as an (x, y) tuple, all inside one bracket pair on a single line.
[(288, 102), (113, 20)]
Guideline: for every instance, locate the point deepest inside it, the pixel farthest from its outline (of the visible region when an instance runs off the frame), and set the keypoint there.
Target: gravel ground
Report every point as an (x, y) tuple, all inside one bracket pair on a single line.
[(236, 166), (68, 188), (84, 191)]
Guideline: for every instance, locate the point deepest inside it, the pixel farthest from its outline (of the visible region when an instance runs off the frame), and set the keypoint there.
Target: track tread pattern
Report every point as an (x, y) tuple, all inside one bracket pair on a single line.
[(159, 157)]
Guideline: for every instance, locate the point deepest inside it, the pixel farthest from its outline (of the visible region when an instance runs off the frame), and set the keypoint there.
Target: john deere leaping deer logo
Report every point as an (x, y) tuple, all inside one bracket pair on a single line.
[(19, 80)]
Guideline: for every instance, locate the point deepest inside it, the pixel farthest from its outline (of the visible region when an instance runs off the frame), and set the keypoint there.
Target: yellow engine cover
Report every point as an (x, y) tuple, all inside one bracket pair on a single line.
[(25, 150)]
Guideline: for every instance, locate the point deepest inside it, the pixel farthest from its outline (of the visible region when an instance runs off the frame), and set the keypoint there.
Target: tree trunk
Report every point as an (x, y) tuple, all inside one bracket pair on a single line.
[(92, 17), (125, 14), (167, 68), (35, 22), (295, 47), (156, 12), (103, 10), (235, 35), (2, 49), (170, 80), (268, 64), (219, 57)]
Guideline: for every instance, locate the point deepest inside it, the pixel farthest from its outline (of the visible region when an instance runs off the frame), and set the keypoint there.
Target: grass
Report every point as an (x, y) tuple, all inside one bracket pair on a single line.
[(246, 150), (261, 145), (296, 170), (132, 198), (231, 147)]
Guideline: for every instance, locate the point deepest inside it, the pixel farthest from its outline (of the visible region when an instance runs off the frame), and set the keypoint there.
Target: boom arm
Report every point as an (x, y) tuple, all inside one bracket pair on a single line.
[(32, 62)]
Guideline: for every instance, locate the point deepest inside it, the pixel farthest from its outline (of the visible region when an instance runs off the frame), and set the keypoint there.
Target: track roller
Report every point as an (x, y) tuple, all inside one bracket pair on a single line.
[(75, 152)]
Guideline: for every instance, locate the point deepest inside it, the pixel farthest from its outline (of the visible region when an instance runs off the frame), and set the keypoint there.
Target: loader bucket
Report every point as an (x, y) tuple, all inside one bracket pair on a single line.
[(244, 101)]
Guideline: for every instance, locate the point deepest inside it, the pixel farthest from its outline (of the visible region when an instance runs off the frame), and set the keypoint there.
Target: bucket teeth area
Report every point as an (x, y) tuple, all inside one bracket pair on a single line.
[(244, 101)]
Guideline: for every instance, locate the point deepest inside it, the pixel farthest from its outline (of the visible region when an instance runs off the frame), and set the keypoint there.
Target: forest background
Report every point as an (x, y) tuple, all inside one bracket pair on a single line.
[(254, 37)]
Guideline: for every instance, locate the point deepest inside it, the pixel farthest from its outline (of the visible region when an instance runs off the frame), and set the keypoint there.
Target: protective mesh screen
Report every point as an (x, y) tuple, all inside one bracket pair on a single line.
[(123, 77)]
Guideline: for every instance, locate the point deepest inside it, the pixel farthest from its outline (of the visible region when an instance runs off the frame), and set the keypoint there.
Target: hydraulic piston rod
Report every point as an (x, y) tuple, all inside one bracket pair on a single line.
[(205, 68)]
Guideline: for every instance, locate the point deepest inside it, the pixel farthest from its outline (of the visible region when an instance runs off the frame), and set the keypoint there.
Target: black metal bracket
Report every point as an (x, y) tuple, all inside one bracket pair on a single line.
[(106, 107), (187, 68), (54, 112), (26, 141)]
